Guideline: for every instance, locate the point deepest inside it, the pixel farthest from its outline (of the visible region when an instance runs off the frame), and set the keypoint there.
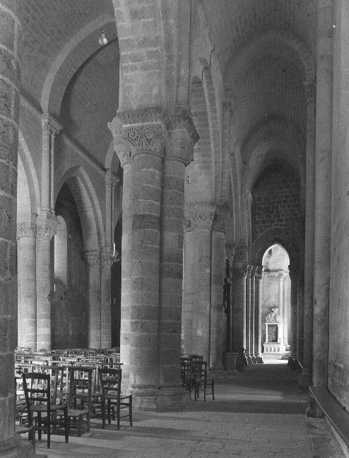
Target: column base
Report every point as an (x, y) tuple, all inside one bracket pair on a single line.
[(163, 398), (230, 360), (16, 448), (304, 378)]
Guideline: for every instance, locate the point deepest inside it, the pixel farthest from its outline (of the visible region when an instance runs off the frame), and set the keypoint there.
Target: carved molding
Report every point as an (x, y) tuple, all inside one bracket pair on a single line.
[(199, 215)]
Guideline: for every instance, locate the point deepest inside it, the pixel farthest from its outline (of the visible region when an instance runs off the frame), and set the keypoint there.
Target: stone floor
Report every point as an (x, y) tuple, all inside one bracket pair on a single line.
[(258, 413)]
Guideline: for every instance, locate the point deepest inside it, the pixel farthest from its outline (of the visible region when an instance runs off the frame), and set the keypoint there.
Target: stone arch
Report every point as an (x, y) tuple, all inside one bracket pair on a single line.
[(73, 55), (277, 42), (214, 129), (88, 206), (274, 135), (26, 165), (201, 170), (276, 236)]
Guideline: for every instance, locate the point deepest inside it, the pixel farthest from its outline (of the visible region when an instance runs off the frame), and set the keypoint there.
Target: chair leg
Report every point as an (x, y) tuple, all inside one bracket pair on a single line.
[(130, 412), (39, 426), (118, 414), (103, 413), (212, 389), (109, 414), (66, 426)]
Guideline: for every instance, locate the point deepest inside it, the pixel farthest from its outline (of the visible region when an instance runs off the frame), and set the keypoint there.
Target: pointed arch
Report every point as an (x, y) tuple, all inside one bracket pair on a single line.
[(88, 206)]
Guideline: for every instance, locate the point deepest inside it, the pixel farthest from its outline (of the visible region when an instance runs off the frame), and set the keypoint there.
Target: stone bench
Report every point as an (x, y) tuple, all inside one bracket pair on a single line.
[(336, 415)]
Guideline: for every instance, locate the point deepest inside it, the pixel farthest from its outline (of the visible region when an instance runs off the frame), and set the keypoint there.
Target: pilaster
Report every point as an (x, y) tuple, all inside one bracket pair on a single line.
[(93, 261)]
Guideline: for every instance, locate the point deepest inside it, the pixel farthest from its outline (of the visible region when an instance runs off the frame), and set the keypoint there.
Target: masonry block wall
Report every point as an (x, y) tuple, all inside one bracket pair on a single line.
[(276, 203)]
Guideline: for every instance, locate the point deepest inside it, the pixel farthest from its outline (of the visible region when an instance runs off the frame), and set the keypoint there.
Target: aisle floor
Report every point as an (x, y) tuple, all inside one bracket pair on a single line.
[(258, 413)]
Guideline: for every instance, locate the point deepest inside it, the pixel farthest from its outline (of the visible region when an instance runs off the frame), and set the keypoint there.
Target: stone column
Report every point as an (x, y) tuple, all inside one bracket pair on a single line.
[(324, 81), (106, 262), (249, 296), (189, 282), (139, 138), (253, 311), (309, 237), (201, 217), (294, 300), (179, 152), (258, 314), (26, 255), (9, 89), (218, 317), (92, 258), (46, 226), (239, 300)]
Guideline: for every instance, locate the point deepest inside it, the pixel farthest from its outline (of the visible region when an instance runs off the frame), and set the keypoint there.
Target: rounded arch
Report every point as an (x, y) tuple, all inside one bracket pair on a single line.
[(201, 170), (88, 206), (277, 43), (272, 140), (27, 166), (78, 49), (273, 236)]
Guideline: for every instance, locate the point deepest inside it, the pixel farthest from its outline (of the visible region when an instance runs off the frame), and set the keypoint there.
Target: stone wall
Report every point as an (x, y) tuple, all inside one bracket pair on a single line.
[(276, 202)]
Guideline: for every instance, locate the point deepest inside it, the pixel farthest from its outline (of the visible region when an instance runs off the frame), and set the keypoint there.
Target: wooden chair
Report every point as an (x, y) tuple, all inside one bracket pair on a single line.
[(24, 417), (201, 379), (79, 399), (37, 390), (113, 402)]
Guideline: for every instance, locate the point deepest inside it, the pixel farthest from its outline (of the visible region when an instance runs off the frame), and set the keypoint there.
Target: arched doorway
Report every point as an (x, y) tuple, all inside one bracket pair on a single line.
[(275, 304)]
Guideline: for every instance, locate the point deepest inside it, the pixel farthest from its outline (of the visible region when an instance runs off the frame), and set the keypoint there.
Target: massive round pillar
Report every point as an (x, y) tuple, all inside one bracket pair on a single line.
[(201, 217), (9, 95), (26, 255), (179, 151), (46, 225)]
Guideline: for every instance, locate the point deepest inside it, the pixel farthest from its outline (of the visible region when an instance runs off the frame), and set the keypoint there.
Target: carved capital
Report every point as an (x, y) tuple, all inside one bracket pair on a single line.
[(46, 225), (50, 125), (199, 215), (138, 131), (181, 125), (241, 254), (26, 229), (240, 272), (92, 258)]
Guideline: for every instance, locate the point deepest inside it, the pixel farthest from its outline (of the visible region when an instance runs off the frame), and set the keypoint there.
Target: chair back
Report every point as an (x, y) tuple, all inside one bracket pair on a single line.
[(110, 380), (80, 387), (37, 390)]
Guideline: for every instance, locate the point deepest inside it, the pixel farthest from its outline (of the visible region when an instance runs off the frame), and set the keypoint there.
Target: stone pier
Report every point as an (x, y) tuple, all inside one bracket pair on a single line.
[(153, 150), (323, 145)]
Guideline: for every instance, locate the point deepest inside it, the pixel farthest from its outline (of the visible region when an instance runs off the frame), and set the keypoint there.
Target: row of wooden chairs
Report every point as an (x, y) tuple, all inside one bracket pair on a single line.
[(195, 376), (60, 400)]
